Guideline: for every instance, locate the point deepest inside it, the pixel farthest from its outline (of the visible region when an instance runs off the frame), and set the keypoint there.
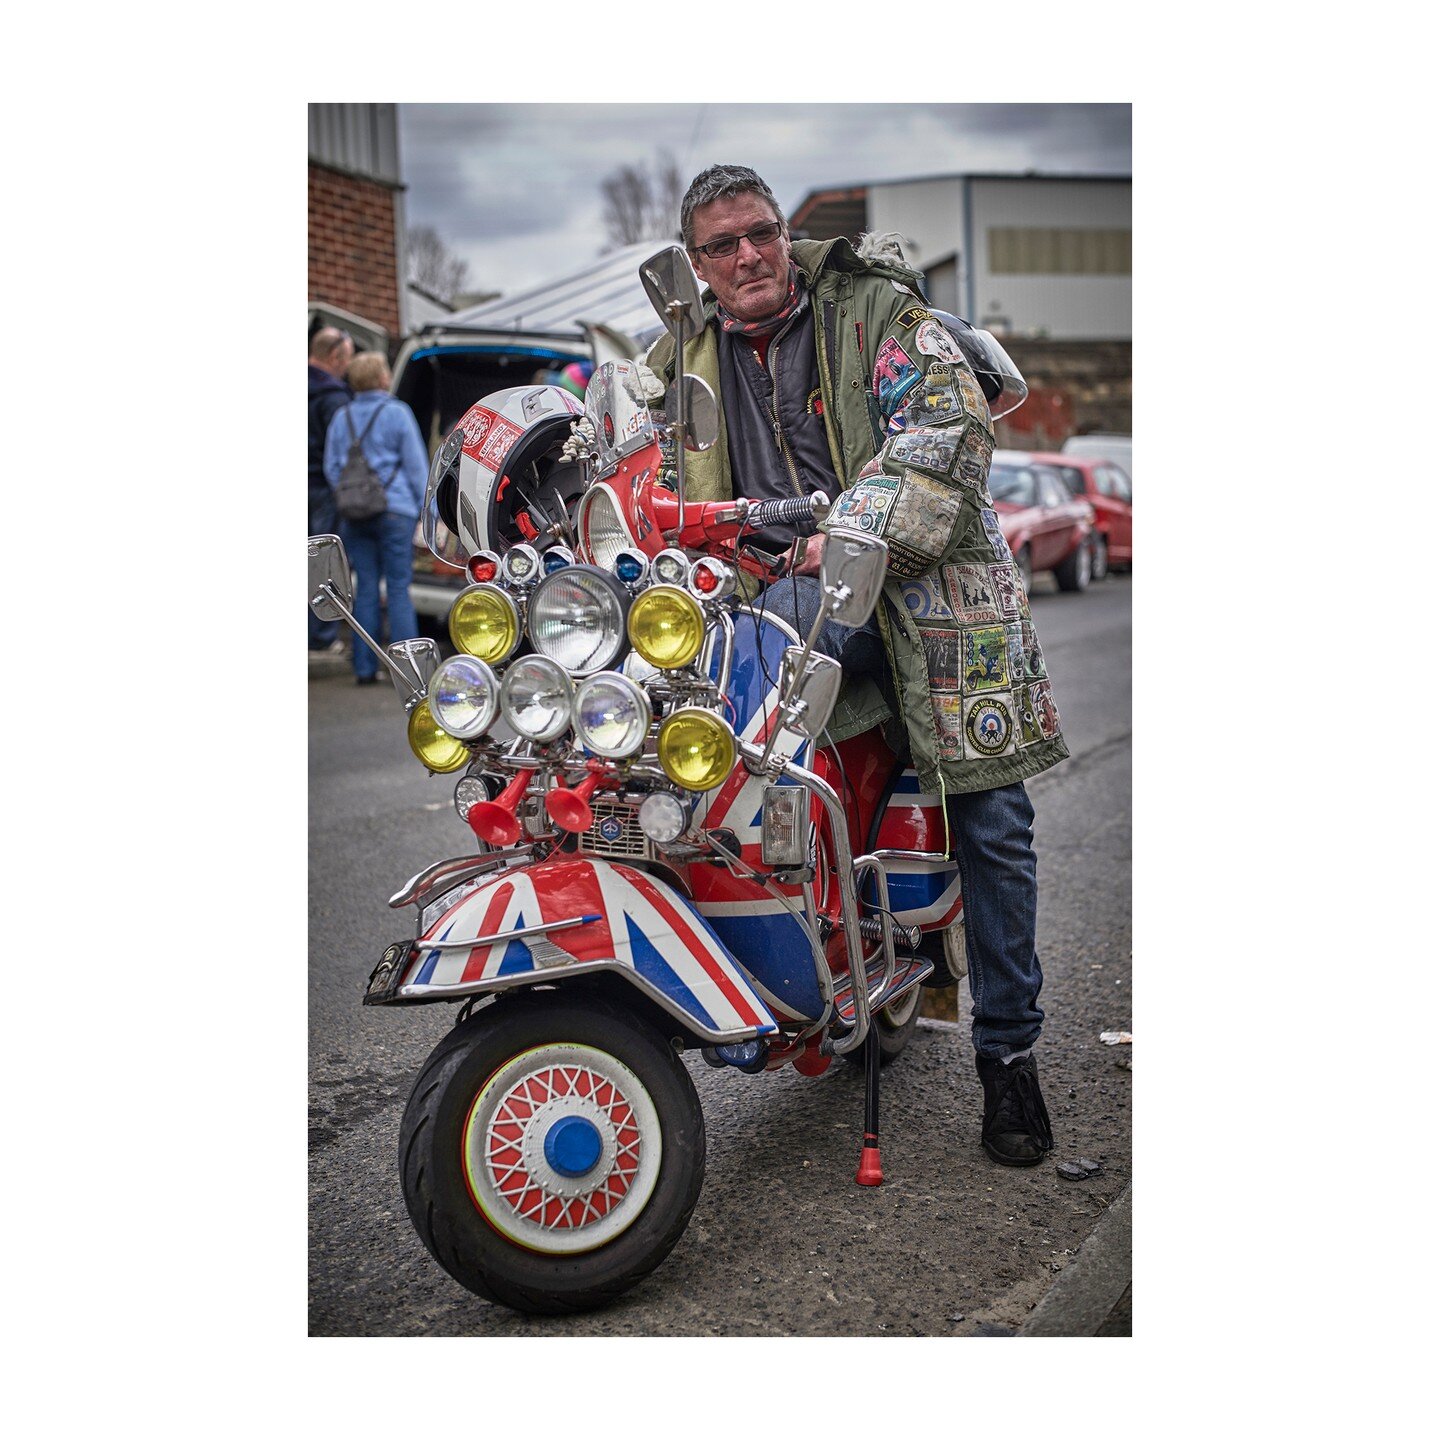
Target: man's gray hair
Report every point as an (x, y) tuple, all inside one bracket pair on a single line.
[(720, 182)]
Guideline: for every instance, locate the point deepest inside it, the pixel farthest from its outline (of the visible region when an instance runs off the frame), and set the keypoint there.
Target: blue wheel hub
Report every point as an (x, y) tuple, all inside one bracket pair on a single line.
[(572, 1146)]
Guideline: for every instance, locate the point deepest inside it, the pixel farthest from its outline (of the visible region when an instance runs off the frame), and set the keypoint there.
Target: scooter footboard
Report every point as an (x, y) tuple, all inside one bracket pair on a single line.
[(566, 917)]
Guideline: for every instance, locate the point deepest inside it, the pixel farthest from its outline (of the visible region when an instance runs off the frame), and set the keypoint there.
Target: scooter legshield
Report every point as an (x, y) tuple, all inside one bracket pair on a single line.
[(628, 922)]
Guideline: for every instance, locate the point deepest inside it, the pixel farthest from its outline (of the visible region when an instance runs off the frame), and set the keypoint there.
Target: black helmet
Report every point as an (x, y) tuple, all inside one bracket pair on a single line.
[(1003, 385)]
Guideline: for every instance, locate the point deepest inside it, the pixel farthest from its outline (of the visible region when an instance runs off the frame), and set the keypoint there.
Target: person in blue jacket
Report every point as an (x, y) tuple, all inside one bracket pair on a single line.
[(331, 352), (382, 546)]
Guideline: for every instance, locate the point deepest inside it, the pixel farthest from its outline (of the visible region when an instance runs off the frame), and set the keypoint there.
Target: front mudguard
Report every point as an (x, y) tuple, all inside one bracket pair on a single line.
[(563, 918)]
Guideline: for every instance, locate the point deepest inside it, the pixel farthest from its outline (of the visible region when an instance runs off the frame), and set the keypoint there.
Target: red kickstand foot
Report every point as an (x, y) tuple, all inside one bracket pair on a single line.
[(869, 1172)]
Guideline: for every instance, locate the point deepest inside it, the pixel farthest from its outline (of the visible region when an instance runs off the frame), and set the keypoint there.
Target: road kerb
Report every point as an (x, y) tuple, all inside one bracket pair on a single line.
[(1089, 1288)]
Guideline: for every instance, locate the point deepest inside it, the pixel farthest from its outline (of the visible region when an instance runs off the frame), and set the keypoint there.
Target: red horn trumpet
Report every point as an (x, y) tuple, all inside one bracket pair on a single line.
[(570, 809), (494, 820)]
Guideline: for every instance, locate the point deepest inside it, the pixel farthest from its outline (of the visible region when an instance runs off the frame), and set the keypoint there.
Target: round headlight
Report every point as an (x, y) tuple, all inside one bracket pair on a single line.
[(671, 567), (430, 745), (521, 564), (696, 749), (667, 626), (612, 715), (663, 818), (536, 698), (464, 696), (485, 623), (577, 618), (601, 531)]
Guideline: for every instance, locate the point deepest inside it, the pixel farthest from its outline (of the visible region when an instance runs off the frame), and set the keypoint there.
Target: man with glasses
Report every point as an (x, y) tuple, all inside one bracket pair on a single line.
[(331, 352), (833, 375)]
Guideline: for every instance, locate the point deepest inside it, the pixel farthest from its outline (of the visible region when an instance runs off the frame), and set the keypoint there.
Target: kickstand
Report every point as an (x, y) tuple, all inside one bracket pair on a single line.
[(869, 1172)]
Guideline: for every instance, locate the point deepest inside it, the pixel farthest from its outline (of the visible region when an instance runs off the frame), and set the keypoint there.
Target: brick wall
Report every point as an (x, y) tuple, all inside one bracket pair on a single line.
[(352, 246), (1075, 386)]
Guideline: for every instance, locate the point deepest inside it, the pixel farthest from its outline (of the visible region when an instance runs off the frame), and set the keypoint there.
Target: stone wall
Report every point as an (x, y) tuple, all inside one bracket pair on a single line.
[(1076, 386)]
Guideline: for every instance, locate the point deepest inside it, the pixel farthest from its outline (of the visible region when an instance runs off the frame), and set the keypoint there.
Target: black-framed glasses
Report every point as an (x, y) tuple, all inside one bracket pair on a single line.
[(759, 237)]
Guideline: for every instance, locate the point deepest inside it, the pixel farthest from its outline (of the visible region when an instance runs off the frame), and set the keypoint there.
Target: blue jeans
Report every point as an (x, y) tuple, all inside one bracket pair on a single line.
[(322, 633), (798, 601), (991, 832), (377, 547)]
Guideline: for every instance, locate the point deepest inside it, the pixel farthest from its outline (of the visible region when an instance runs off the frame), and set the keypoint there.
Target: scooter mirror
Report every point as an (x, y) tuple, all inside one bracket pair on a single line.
[(419, 659), (809, 695), (852, 571), (329, 566), (702, 414), (669, 279)]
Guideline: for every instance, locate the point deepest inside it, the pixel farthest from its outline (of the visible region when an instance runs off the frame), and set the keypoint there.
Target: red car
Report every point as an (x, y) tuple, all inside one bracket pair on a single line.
[(1106, 486), (1045, 526)]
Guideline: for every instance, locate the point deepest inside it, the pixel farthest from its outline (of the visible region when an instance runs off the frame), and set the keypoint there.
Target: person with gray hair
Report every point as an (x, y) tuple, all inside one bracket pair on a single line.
[(389, 437), (331, 351), (833, 374)]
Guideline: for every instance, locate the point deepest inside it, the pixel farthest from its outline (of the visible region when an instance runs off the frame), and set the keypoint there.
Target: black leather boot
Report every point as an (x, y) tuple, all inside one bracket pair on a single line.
[(1016, 1129)]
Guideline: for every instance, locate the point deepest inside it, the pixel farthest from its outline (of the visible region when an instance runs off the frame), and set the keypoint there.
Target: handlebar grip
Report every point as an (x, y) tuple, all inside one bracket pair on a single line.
[(785, 512)]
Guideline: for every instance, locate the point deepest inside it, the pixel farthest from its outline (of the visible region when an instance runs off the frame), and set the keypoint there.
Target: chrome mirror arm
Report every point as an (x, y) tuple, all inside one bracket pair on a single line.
[(327, 589)]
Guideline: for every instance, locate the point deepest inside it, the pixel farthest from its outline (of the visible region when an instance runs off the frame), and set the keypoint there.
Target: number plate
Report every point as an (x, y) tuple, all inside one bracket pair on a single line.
[(386, 975)]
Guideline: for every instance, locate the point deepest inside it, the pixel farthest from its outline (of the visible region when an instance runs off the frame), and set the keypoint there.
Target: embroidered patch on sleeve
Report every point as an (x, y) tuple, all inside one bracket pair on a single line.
[(947, 712), (1028, 726), (971, 596), (990, 727), (1015, 651), (1006, 584), (975, 457), (942, 658), (926, 448), (1034, 658), (934, 400), (925, 599), (895, 374), (909, 319), (905, 562), (864, 507), (924, 514), (983, 659), (814, 403), (1045, 711), (994, 534), (933, 339)]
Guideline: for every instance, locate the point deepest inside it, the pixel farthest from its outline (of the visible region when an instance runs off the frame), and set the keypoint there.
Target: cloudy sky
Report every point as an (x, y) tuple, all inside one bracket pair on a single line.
[(515, 189)]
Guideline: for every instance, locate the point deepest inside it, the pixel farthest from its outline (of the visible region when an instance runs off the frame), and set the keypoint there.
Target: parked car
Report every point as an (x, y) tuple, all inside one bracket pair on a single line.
[(1045, 526), (1107, 487), (1115, 448)]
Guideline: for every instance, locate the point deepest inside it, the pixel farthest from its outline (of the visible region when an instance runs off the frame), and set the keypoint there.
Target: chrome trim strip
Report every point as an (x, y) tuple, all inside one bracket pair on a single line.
[(424, 946), (446, 874)]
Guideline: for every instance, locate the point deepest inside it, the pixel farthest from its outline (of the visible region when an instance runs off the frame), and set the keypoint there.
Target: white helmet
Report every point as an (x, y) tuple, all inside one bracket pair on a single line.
[(498, 466)]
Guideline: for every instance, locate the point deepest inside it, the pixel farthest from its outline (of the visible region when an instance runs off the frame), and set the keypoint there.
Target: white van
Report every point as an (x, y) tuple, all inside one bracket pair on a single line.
[(1115, 448)]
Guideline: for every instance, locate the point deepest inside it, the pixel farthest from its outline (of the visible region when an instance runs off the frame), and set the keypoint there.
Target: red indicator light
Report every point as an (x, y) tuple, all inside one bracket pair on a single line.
[(706, 579), (481, 569)]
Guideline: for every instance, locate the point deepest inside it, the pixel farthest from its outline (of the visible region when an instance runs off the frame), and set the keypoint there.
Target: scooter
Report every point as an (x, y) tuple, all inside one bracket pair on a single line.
[(664, 859)]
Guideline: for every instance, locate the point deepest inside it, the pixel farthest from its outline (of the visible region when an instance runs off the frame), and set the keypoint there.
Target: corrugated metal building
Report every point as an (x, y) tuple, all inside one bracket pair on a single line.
[(1032, 255)]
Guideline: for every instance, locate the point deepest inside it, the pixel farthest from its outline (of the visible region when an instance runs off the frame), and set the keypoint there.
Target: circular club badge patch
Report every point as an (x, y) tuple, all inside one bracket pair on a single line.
[(989, 726)]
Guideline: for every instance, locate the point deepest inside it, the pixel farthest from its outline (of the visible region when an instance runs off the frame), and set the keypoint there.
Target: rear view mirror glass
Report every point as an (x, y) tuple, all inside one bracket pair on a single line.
[(328, 568), (852, 572), (669, 279), (812, 693), (702, 414)]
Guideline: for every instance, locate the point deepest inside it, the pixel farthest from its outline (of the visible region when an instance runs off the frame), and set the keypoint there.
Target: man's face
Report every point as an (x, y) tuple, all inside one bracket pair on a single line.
[(751, 284)]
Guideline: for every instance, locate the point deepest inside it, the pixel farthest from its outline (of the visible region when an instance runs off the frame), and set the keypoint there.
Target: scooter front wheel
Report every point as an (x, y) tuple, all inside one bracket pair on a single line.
[(552, 1153)]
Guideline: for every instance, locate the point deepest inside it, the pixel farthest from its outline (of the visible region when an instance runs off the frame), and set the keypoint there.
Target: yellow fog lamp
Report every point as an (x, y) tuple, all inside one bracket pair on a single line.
[(667, 626), (431, 746), (485, 623), (696, 748)]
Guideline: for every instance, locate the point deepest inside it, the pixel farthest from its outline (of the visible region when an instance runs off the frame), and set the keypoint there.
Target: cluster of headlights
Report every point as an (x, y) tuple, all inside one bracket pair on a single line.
[(581, 621)]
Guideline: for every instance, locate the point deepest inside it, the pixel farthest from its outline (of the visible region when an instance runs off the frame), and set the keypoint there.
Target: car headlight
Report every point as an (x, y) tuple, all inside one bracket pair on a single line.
[(696, 748), (464, 696), (612, 715), (577, 618), (667, 626), (485, 623), (430, 745), (601, 531), (536, 698)]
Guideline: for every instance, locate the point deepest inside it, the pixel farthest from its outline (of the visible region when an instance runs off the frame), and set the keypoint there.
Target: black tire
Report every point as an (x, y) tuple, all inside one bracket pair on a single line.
[(894, 1024), (1023, 568), (1073, 572), (480, 1069), (1100, 560)]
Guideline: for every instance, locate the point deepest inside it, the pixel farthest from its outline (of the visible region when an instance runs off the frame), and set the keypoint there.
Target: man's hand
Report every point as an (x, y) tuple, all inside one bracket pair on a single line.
[(808, 559)]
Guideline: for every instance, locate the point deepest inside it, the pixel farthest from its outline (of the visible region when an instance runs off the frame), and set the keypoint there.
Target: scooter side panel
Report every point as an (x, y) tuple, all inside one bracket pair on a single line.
[(631, 923), (924, 893)]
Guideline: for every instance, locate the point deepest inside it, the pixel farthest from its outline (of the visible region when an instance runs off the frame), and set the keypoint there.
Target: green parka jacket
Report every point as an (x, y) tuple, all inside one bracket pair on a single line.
[(967, 666)]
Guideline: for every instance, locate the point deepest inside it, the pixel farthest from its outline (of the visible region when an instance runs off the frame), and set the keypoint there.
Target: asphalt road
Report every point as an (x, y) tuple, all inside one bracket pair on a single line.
[(782, 1242)]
